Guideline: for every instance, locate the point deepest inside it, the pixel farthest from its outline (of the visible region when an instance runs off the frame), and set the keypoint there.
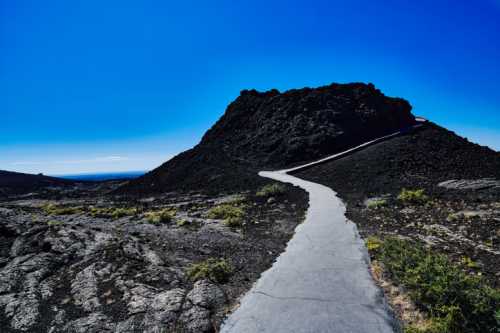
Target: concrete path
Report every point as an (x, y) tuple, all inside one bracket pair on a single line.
[(321, 283)]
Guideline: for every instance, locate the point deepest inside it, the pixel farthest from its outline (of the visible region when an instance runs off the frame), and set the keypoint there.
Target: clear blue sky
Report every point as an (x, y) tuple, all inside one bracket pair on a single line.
[(88, 86)]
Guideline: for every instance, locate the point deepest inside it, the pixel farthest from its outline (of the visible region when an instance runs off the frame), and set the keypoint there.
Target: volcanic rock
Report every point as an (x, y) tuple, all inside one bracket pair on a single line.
[(270, 129)]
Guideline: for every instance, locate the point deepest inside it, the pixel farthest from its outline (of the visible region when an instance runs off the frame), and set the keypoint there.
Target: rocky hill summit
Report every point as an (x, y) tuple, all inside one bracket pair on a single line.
[(271, 130)]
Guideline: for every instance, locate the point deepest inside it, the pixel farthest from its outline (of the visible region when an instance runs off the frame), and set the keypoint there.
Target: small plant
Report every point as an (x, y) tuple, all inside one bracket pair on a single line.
[(373, 243), (51, 209), (225, 211), (165, 215), (233, 222), (54, 223), (452, 217), (122, 212), (232, 215), (468, 262), (271, 190), (182, 223), (216, 270), (413, 196), (377, 203), (112, 212)]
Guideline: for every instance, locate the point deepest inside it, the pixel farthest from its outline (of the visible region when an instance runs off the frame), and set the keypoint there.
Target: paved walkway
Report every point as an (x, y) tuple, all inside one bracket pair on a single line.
[(321, 283)]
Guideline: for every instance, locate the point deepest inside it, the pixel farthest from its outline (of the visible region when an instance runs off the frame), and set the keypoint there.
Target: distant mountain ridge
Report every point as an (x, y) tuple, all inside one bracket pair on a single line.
[(270, 129), (17, 183)]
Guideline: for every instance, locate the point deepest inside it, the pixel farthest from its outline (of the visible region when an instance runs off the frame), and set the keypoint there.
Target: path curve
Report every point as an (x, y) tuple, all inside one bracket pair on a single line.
[(321, 282)]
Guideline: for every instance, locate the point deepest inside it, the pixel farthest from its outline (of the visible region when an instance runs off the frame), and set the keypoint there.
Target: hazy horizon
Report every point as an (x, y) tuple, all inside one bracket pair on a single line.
[(87, 87)]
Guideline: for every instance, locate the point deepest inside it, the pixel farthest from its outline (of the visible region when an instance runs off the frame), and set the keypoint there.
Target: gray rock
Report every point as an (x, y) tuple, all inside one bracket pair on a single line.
[(84, 289), (22, 311), (168, 304), (470, 184), (196, 319), (93, 323), (206, 294)]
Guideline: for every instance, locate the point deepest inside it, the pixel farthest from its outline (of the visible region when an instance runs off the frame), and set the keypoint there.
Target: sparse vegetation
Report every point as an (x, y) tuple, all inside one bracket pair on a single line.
[(216, 270), (468, 262), (233, 222), (112, 212), (373, 243), (231, 214), (453, 300), (54, 223), (413, 196), (51, 209), (271, 190), (182, 223), (378, 203), (165, 215)]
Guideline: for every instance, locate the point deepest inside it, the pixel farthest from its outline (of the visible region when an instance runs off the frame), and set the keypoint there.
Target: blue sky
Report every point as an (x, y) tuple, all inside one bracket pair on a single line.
[(89, 86)]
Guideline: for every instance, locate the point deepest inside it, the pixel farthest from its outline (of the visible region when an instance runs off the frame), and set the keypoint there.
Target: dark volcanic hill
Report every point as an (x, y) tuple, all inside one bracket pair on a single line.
[(18, 183), (420, 159), (273, 130)]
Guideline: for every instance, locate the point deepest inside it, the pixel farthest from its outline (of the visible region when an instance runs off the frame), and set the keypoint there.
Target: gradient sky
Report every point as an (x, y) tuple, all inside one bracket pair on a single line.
[(90, 86)]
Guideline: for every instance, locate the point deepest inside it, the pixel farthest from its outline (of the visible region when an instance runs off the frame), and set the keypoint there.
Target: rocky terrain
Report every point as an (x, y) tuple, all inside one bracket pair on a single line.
[(270, 130), (169, 263)]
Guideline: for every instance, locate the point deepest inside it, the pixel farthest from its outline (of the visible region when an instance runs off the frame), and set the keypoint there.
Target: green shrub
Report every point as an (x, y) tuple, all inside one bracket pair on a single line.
[(377, 203), (216, 270), (182, 223), (454, 300), (271, 190), (233, 222), (112, 212), (225, 211), (51, 209), (231, 214), (413, 196), (165, 215), (122, 212), (468, 262), (54, 223), (373, 243)]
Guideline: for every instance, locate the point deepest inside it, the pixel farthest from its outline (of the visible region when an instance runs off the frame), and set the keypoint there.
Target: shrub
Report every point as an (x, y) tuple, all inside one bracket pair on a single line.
[(182, 223), (271, 190), (413, 196), (54, 223), (233, 222), (51, 209), (454, 300), (122, 212), (377, 203), (225, 211), (162, 216), (232, 215), (468, 262), (112, 212), (216, 270), (373, 243)]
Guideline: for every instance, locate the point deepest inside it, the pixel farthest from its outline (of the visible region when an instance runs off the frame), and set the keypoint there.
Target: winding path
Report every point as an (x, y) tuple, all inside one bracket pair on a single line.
[(321, 283)]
